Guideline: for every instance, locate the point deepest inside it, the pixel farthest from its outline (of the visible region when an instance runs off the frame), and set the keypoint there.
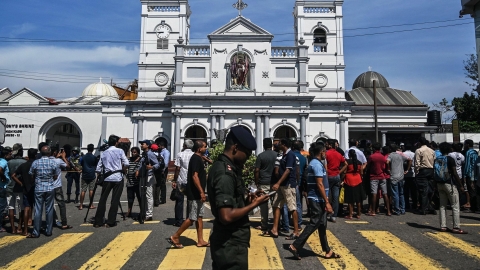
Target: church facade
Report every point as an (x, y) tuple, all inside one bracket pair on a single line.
[(190, 91)]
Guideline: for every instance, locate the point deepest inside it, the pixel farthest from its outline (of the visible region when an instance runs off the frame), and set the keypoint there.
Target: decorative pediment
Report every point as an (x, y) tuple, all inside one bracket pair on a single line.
[(240, 27), (5, 93), (25, 97)]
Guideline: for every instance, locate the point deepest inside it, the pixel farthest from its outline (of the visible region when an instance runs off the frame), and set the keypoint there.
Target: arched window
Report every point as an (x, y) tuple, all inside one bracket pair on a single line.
[(196, 133), (239, 73), (319, 40), (284, 132)]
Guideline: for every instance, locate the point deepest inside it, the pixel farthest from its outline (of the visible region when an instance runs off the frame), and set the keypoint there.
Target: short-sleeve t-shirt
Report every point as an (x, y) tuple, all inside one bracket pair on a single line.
[(396, 164), (27, 180), (334, 159), (195, 165), (315, 170), (266, 163), (289, 161), (377, 166)]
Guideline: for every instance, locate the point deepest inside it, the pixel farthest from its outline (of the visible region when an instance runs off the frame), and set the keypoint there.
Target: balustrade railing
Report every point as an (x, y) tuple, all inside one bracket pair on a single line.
[(163, 9), (320, 48), (284, 52), (197, 50), (319, 9)]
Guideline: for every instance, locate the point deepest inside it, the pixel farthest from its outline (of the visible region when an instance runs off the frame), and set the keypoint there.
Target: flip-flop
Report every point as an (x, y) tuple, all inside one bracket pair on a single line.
[(175, 245), (459, 231), (291, 237), (66, 227), (201, 246), (93, 207), (269, 232), (370, 214), (333, 256), (294, 252), (348, 217), (2, 229)]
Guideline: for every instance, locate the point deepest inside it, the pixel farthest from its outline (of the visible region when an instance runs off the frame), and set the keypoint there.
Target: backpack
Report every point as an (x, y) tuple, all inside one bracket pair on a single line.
[(440, 168)]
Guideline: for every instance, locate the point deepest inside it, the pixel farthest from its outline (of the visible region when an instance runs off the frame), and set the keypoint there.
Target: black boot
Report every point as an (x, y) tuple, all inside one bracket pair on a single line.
[(68, 199)]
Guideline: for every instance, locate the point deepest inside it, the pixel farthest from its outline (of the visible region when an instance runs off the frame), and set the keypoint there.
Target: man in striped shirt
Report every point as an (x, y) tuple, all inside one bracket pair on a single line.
[(45, 171)]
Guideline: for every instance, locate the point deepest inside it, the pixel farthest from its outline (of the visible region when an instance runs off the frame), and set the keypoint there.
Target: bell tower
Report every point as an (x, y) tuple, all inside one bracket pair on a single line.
[(319, 24), (164, 24)]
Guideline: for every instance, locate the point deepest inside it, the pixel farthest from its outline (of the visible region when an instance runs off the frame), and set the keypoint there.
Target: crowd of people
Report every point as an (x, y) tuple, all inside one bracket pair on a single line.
[(421, 178)]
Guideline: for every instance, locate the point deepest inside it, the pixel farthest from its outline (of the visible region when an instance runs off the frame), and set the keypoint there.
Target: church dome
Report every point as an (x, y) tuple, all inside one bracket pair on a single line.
[(99, 89), (365, 80)]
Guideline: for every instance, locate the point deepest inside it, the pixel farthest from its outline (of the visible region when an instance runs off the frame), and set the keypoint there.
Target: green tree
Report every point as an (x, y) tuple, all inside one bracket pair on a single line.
[(470, 68), (248, 172)]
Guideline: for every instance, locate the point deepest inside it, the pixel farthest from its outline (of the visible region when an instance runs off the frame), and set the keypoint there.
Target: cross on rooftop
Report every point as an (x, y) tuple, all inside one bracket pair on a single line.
[(240, 5)]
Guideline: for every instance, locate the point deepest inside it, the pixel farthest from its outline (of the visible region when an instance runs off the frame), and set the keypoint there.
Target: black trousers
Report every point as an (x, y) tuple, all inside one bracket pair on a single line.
[(425, 192), (71, 177), (318, 221), (179, 208), (410, 190), (131, 193), (61, 205), (160, 189), (117, 188), (233, 257)]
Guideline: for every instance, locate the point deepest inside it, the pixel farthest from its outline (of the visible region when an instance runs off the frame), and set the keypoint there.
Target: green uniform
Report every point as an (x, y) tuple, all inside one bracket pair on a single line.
[(228, 243)]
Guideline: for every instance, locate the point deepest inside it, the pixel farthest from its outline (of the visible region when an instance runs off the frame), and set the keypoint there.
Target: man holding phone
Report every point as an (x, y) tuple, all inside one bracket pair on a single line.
[(317, 188), (230, 237)]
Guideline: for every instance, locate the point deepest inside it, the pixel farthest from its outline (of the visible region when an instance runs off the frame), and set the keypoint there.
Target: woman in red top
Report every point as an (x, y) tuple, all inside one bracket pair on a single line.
[(353, 190)]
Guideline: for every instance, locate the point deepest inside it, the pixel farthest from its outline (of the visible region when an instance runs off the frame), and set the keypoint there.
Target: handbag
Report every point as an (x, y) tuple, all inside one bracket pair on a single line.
[(341, 196), (174, 194)]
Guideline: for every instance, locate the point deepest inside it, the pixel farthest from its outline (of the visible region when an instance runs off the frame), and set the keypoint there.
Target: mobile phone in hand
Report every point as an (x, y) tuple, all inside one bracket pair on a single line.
[(271, 193)]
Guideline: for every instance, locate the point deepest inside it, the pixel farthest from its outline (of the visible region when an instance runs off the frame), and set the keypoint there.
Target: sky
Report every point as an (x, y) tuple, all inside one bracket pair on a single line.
[(379, 34)]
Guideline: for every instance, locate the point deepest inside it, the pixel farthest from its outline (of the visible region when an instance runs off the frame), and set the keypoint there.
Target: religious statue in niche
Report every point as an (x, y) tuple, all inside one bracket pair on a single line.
[(240, 71)]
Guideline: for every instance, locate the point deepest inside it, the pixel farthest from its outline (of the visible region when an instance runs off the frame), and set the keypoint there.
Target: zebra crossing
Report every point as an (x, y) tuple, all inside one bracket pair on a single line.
[(265, 252)]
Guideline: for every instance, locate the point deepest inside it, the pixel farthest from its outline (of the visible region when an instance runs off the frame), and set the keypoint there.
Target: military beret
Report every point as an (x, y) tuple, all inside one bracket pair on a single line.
[(244, 137)]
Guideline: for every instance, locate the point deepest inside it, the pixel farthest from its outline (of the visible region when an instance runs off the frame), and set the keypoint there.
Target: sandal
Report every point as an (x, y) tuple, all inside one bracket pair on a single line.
[(443, 229), (333, 256), (32, 236), (2, 229), (291, 237), (348, 217), (370, 214), (459, 231), (269, 233), (294, 252), (66, 227), (175, 245), (206, 245)]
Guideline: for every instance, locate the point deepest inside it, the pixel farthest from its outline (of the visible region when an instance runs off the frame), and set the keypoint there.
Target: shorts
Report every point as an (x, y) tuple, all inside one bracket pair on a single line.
[(195, 209), (16, 199), (29, 199), (88, 186), (374, 184), (286, 195)]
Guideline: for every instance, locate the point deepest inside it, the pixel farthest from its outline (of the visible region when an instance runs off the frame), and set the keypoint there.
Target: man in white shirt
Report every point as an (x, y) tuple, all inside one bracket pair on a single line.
[(180, 179), (353, 144)]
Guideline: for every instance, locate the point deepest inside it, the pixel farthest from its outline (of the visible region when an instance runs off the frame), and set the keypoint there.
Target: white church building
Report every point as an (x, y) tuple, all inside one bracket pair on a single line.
[(190, 90)]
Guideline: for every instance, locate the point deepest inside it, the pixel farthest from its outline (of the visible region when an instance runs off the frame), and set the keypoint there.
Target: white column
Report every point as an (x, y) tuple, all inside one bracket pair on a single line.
[(343, 136), (213, 127), (258, 134), (173, 150), (266, 126), (144, 131), (384, 138), (140, 130), (303, 127), (135, 132), (177, 132), (222, 121)]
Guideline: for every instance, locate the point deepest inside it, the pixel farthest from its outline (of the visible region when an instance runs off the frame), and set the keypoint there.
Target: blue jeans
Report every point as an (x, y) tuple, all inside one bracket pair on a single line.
[(285, 222), (41, 198), (299, 207), (398, 198), (334, 185)]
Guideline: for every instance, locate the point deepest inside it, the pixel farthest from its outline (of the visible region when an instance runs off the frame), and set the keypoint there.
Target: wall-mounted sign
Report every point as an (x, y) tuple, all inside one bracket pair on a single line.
[(16, 130)]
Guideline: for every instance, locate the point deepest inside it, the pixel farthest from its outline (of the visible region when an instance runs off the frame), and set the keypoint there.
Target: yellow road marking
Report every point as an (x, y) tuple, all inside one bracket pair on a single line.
[(189, 257), (48, 252), (347, 260), (86, 225), (471, 224), (263, 253), (8, 240), (453, 242), (147, 222), (356, 222), (118, 251), (400, 251)]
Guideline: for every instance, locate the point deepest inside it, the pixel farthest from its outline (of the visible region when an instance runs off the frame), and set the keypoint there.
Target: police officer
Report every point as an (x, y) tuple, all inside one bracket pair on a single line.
[(231, 228)]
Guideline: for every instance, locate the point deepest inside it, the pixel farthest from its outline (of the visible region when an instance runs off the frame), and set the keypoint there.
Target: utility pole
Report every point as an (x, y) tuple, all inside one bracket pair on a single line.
[(375, 108)]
